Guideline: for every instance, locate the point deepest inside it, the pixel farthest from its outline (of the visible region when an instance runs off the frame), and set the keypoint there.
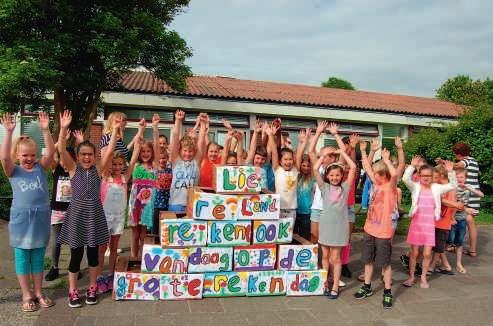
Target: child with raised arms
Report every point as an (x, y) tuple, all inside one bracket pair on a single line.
[(29, 225), (85, 222)]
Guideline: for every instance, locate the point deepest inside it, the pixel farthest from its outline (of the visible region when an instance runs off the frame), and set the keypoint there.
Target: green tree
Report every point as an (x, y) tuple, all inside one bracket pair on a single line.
[(463, 90), (334, 82), (474, 128), (76, 49)]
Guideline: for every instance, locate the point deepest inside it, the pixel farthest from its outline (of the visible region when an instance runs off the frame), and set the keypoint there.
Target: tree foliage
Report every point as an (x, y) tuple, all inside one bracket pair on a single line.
[(76, 49), (463, 90), (474, 128), (334, 82)]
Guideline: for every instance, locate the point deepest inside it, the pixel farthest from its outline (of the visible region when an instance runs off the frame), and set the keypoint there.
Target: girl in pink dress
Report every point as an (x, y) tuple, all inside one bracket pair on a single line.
[(425, 209)]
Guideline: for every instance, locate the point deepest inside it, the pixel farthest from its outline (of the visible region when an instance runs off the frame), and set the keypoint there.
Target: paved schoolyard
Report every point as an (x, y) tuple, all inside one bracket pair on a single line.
[(451, 300)]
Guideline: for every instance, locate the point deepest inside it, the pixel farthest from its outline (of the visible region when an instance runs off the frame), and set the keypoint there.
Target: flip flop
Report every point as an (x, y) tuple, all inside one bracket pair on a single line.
[(29, 306), (408, 285), (470, 253), (444, 271), (461, 270), (44, 301)]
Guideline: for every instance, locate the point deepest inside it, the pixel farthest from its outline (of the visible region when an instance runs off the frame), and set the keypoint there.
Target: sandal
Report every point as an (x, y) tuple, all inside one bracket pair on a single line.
[(29, 305), (444, 271), (333, 294), (461, 269), (470, 253), (408, 284), (44, 301)]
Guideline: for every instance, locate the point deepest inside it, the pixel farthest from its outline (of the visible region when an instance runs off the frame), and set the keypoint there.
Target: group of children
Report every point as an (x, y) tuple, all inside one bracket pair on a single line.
[(88, 205)]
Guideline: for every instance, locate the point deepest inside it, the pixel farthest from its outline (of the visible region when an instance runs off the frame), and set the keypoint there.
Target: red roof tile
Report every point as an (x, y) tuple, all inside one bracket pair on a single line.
[(232, 88)]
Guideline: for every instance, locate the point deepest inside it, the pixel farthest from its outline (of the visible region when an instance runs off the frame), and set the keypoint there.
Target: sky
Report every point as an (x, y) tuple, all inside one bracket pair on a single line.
[(391, 46)]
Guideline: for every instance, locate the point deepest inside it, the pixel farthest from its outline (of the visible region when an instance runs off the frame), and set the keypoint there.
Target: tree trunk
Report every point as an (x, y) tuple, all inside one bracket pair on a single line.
[(60, 102)]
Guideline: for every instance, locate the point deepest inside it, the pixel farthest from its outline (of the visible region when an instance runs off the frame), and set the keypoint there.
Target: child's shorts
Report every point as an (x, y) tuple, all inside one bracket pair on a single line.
[(315, 215), (116, 224), (376, 250), (441, 237), (457, 233), (177, 208), (351, 214)]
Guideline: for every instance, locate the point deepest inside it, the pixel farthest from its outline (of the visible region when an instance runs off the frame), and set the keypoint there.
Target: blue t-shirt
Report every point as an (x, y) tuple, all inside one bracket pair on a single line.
[(305, 192), (29, 225), (271, 185)]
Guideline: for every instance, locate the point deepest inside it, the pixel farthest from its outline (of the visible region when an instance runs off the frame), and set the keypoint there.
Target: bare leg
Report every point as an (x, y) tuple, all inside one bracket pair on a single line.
[(101, 252), (38, 284), (460, 267), (25, 283), (426, 265), (314, 232), (142, 234), (368, 273), (72, 281), (113, 252), (387, 276), (473, 234), (412, 265), (335, 262), (93, 275), (134, 248)]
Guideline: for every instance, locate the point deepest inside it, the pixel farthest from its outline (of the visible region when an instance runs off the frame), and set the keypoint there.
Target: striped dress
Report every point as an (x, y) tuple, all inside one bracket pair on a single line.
[(472, 180), (85, 222)]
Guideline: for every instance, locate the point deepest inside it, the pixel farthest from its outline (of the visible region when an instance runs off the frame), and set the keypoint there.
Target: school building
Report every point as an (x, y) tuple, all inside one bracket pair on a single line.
[(241, 102)]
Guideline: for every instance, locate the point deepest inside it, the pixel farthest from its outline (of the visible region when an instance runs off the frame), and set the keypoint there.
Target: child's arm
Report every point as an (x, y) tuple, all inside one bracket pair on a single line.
[(400, 157), (110, 149), (239, 148), (201, 144), (271, 131), (390, 167), (477, 192), (452, 184), (408, 173), (66, 159), (333, 131), (351, 149), (155, 139), (352, 167), (44, 125), (175, 135), (8, 122), (375, 146), (316, 173), (313, 141), (133, 160), (253, 142), (302, 139), (366, 162), (227, 145), (139, 134)]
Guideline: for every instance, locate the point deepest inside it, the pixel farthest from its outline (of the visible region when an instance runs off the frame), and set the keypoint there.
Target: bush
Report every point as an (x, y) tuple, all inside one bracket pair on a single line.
[(474, 128)]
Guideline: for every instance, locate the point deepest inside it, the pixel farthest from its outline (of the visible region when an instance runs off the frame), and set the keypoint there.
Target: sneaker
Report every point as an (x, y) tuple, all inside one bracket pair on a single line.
[(91, 296), (52, 274), (101, 284), (109, 282), (363, 292), (404, 260), (387, 300), (346, 272), (74, 300)]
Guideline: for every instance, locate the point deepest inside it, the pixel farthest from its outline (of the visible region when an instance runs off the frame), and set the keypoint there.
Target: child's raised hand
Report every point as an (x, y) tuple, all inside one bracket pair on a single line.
[(43, 120), (78, 135), (416, 160), (155, 120), (258, 126), (322, 126), (362, 146), (274, 128), (228, 125), (449, 165), (302, 136), (65, 118), (179, 115), (375, 144), (385, 155), (398, 142), (230, 134), (333, 128), (353, 140), (117, 124), (8, 122), (239, 135), (142, 123)]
